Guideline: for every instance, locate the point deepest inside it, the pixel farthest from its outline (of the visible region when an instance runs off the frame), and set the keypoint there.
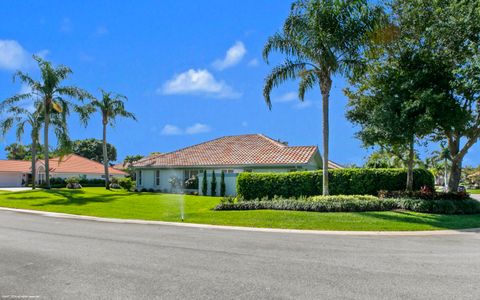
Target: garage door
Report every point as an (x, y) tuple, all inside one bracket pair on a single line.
[(10, 179)]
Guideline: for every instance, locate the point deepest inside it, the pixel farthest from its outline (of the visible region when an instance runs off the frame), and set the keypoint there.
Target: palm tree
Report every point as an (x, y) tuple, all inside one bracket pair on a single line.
[(110, 106), (20, 117), (443, 155), (54, 99), (320, 38)]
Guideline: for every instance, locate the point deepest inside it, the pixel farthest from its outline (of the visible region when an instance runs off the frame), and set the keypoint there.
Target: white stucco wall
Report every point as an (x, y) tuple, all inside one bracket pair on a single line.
[(148, 177)]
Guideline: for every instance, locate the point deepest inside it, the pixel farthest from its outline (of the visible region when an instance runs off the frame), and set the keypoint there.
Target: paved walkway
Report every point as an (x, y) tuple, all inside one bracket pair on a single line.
[(55, 258), (475, 196), (15, 189)]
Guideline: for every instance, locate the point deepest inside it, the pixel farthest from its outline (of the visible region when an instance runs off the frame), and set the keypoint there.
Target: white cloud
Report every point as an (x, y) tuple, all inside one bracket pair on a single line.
[(303, 104), (287, 97), (66, 26), (85, 57), (197, 128), (253, 63), (197, 82), (233, 56), (43, 53), (12, 55), (101, 31), (171, 130)]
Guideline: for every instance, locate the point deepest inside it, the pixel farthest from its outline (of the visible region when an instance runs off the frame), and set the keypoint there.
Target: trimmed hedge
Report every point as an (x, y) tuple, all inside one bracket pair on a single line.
[(341, 181), (61, 183), (357, 204)]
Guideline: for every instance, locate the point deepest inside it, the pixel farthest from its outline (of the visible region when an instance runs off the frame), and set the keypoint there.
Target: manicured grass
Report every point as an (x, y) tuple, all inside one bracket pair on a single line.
[(474, 191), (165, 207)]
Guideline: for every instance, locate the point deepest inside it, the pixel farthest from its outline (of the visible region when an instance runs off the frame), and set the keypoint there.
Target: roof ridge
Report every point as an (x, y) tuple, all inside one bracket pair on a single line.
[(272, 140), (15, 160)]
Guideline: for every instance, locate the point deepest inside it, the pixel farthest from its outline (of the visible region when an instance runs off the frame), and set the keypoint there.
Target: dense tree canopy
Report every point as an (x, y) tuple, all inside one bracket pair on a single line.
[(92, 149)]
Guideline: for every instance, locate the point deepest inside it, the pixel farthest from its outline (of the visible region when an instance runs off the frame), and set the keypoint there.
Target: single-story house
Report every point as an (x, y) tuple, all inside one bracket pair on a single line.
[(15, 173), (230, 154)]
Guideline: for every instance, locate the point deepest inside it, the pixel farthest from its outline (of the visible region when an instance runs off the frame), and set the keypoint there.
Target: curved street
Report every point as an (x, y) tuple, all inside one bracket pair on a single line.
[(44, 258)]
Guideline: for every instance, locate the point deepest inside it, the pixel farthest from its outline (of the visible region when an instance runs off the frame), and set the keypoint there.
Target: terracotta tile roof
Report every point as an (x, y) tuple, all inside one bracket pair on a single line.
[(119, 166), (73, 163), (22, 166), (239, 150), (333, 165)]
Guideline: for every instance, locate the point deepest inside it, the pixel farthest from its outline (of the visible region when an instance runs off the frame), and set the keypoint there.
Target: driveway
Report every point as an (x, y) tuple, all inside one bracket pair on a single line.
[(79, 259), (475, 196), (15, 189)]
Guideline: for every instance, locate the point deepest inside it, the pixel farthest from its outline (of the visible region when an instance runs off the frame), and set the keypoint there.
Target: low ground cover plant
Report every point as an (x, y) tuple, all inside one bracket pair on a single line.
[(342, 182), (353, 203)]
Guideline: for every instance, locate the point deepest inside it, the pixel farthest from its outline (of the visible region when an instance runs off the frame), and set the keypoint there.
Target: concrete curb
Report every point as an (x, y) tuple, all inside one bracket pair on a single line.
[(251, 229)]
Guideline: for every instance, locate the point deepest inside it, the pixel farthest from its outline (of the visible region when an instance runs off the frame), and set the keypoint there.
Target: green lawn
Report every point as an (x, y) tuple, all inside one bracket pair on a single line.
[(198, 209), (474, 191)]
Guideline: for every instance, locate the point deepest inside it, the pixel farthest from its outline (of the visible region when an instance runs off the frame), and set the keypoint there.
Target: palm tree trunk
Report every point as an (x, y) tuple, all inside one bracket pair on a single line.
[(445, 177), (411, 157), (34, 157), (325, 86), (105, 156), (45, 145)]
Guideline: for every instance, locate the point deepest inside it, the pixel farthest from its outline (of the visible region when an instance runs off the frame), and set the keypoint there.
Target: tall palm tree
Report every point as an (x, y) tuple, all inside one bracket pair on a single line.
[(320, 38), (53, 96), (110, 106)]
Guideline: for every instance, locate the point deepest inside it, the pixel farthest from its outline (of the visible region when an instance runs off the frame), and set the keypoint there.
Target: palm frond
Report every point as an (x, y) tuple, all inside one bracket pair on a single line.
[(308, 79), (286, 71)]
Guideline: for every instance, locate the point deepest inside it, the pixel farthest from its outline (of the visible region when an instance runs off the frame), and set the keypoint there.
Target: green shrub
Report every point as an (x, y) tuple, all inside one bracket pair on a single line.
[(427, 195), (72, 180), (127, 184), (353, 203), (342, 181)]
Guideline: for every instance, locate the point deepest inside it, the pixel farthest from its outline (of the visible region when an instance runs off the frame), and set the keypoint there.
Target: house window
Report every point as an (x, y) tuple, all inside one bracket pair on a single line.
[(248, 170), (187, 174), (157, 177), (227, 171), (140, 177)]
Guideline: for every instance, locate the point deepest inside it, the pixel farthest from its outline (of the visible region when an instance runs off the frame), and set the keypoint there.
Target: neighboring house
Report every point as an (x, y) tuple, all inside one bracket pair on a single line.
[(14, 173), (231, 154)]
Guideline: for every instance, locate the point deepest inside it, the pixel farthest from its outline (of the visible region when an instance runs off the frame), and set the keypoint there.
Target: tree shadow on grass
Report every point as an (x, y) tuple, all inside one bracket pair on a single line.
[(435, 220), (78, 197)]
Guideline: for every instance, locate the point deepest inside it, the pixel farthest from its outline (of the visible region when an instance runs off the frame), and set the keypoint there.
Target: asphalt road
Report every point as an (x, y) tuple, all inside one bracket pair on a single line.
[(50, 258)]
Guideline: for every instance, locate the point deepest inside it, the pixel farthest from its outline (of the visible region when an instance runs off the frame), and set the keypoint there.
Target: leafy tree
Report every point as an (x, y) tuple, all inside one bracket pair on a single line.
[(93, 149), (222, 185), (392, 101), (204, 183), (320, 39), (52, 99), (110, 107), (15, 151), (213, 184), (449, 31)]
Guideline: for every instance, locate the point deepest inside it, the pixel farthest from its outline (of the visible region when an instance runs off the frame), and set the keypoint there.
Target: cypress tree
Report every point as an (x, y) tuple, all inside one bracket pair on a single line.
[(204, 183), (213, 184), (222, 185)]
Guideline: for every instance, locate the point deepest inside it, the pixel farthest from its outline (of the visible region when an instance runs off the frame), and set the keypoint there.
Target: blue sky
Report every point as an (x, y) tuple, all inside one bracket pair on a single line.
[(192, 71)]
